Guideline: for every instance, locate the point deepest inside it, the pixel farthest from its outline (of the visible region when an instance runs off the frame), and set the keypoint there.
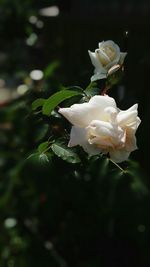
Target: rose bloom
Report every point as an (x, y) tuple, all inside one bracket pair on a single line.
[(106, 58), (100, 127)]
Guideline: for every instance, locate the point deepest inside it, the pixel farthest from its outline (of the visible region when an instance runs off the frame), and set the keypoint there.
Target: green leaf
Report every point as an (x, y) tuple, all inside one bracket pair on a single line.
[(76, 89), (65, 153), (91, 85), (38, 103), (43, 158), (38, 157), (56, 99), (43, 146), (92, 91)]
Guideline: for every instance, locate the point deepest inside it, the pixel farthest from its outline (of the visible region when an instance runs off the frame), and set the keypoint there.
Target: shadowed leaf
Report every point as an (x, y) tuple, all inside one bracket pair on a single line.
[(65, 153), (54, 100)]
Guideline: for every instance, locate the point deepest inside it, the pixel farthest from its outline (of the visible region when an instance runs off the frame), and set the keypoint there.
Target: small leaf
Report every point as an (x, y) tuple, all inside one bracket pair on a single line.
[(43, 158), (32, 156), (92, 91), (65, 153), (43, 146), (91, 85), (40, 157), (56, 99), (38, 103)]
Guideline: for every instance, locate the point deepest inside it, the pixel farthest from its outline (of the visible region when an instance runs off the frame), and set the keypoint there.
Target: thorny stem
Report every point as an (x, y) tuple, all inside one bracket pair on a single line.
[(104, 91)]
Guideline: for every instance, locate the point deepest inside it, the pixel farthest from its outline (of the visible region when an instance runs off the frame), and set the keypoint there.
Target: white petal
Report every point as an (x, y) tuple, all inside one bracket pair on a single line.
[(112, 113), (114, 62), (134, 124), (103, 143), (122, 57), (101, 128), (113, 69), (105, 134), (112, 44), (98, 76), (101, 43), (138, 121), (102, 56), (82, 114), (78, 114), (129, 117), (78, 136), (119, 155), (130, 141), (125, 118), (95, 61), (132, 108), (100, 103)]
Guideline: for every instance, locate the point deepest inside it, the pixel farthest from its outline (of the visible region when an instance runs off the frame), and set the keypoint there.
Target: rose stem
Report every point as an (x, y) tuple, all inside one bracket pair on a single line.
[(104, 90), (117, 165)]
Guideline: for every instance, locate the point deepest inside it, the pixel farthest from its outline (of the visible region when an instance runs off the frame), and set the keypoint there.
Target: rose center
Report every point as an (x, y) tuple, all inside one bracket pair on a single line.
[(109, 51), (116, 139)]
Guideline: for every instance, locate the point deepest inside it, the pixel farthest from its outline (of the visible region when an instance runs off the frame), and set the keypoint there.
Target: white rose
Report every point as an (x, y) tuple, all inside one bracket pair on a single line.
[(100, 127), (108, 55)]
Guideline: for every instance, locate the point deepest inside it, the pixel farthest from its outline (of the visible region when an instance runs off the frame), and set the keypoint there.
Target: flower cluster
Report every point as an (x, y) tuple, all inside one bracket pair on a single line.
[(99, 126)]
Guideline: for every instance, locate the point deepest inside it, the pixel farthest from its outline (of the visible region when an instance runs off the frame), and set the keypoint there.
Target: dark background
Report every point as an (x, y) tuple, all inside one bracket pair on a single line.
[(62, 220)]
